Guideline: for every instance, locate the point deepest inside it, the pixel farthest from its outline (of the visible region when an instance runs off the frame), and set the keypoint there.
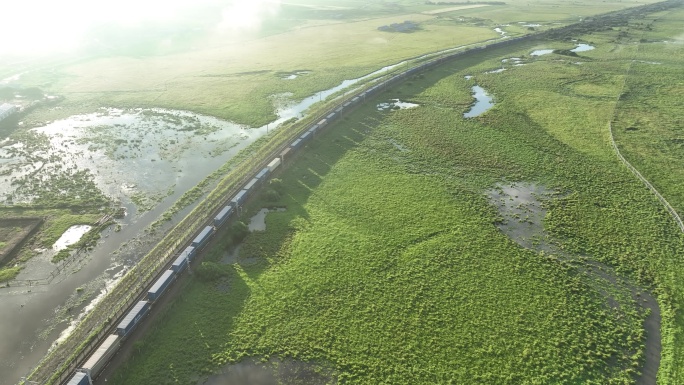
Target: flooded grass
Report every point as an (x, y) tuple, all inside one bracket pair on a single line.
[(522, 210)]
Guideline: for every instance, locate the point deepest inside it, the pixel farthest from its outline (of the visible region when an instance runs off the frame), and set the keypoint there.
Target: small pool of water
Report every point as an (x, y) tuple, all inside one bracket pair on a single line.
[(496, 71), (582, 47), (468, 77), (396, 104), (258, 221), (483, 103), (541, 52), (293, 75), (71, 236)]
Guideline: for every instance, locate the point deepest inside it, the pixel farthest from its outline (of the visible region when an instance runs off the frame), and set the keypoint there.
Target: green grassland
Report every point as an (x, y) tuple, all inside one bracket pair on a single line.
[(648, 130), (388, 266), (233, 76)]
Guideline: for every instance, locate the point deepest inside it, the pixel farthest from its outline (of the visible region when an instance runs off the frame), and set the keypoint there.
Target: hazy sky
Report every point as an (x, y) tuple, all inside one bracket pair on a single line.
[(41, 26)]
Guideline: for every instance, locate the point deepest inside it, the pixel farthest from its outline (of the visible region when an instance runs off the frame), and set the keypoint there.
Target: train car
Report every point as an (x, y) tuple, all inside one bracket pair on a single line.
[(330, 116), (161, 285), (180, 263), (347, 104), (296, 144), (189, 252), (203, 237), (285, 154), (79, 378), (263, 174), (132, 318), (274, 164), (355, 99), (239, 199), (321, 123), (251, 186), (306, 137), (223, 216), (339, 110), (313, 130), (101, 357)]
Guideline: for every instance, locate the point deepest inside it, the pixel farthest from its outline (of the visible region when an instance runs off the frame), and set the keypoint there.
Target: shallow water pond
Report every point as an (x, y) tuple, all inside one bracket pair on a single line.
[(540, 52), (483, 102), (293, 75), (71, 236), (396, 104), (582, 47)]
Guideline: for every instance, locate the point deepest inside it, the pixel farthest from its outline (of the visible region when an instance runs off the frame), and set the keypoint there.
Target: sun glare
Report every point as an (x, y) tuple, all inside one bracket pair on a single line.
[(247, 15), (46, 26)]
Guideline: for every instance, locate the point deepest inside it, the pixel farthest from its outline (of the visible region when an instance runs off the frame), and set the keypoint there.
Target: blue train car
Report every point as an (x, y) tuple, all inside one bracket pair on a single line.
[(347, 104), (180, 263), (79, 378), (355, 99), (189, 252), (263, 173), (296, 144), (239, 199), (322, 123), (339, 110), (306, 137), (330, 116), (223, 216), (132, 318), (203, 237), (160, 286), (313, 129)]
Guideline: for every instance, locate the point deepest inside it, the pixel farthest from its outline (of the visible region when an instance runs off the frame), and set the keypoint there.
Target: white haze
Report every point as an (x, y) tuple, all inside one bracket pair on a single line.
[(38, 27)]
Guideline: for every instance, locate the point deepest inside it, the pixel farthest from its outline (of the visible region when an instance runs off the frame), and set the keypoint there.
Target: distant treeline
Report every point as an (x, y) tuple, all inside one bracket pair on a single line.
[(464, 2)]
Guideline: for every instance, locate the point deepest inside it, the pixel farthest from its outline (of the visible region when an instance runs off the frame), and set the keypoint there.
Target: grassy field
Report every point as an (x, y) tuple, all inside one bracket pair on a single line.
[(233, 76), (648, 131), (388, 265)]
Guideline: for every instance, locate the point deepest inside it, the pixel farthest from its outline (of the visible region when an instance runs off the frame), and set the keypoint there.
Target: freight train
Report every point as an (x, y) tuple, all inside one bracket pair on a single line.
[(86, 374)]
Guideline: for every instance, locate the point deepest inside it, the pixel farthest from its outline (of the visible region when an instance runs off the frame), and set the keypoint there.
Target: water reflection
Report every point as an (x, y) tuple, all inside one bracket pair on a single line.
[(483, 102)]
